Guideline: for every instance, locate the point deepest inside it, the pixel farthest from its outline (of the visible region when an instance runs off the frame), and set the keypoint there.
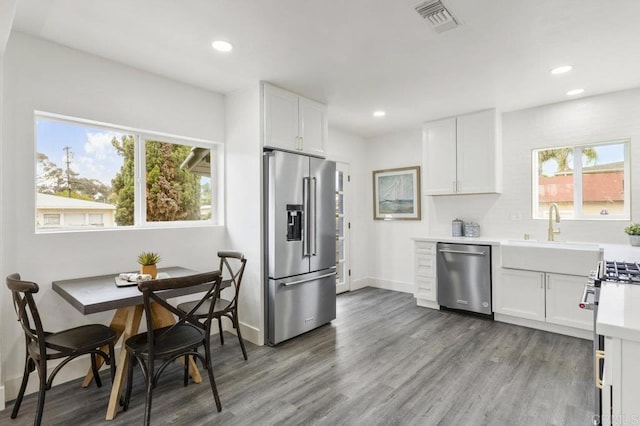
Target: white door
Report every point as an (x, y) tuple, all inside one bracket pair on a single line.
[(343, 226), (563, 294), (521, 294)]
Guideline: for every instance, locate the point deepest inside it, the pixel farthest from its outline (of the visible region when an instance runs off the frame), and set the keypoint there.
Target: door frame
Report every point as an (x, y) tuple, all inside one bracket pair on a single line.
[(345, 285)]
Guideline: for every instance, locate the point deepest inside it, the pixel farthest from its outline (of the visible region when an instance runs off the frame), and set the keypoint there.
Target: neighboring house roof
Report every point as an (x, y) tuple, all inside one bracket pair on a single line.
[(47, 201)]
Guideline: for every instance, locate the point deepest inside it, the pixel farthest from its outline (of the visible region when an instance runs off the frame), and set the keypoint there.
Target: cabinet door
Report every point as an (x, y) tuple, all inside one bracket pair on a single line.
[(520, 294), (563, 295), (476, 153), (280, 118), (313, 126), (439, 157)]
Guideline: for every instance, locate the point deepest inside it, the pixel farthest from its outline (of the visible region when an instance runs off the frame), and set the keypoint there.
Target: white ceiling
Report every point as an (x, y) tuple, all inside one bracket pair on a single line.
[(363, 55)]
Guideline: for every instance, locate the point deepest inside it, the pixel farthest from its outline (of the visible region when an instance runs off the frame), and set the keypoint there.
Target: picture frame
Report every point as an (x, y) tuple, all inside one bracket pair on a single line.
[(396, 194)]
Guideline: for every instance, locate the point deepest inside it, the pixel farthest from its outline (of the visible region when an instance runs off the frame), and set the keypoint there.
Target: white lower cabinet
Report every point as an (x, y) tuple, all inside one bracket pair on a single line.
[(521, 294), (425, 273), (621, 382), (543, 296)]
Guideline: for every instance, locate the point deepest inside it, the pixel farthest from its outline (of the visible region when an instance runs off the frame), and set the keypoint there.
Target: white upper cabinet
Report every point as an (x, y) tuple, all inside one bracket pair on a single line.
[(439, 150), (292, 122), (461, 155)]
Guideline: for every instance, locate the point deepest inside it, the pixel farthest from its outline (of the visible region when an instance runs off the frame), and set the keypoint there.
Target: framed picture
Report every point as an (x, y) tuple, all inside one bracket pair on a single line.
[(396, 194)]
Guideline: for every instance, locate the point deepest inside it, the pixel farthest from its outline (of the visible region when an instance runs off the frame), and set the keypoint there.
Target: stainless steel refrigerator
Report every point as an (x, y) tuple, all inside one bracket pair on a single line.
[(300, 244)]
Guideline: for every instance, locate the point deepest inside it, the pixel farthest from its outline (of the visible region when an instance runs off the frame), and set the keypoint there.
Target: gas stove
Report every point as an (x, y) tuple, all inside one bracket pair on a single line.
[(618, 272)]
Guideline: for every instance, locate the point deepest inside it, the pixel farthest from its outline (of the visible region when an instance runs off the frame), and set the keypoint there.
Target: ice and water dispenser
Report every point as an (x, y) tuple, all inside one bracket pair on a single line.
[(294, 222)]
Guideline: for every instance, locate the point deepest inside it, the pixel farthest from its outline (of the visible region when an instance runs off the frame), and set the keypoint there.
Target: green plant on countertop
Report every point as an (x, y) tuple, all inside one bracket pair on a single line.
[(633, 229), (148, 258)]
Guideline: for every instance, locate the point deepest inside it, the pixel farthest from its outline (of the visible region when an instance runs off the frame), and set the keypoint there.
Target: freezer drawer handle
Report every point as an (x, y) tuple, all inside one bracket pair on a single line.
[(472, 253), (307, 280)]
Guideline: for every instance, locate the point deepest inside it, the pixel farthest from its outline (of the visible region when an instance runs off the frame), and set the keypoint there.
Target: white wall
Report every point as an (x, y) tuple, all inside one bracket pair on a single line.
[(603, 118), (352, 150), (2, 388), (39, 75), (244, 221), (390, 251)]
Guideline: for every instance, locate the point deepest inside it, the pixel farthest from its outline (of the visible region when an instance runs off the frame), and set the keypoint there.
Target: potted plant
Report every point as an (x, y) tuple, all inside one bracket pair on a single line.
[(634, 233), (148, 262)]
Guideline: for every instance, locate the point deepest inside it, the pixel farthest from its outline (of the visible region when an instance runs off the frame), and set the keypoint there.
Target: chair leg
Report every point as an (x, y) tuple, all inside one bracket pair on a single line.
[(28, 368), (147, 408), (212, 381), (42, 371), (236, 324), (94, 368), (186, 370), (220, 329)]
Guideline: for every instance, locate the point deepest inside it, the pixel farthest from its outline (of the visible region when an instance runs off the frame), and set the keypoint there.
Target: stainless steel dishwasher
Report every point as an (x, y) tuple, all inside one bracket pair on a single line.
[(464, 277)]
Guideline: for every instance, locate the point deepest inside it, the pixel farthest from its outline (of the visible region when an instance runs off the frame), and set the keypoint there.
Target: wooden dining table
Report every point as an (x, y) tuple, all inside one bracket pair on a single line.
[(90, 295)]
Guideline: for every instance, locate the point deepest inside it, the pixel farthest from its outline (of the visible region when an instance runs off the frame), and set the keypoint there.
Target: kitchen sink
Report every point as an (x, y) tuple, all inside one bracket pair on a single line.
[(562, 257)]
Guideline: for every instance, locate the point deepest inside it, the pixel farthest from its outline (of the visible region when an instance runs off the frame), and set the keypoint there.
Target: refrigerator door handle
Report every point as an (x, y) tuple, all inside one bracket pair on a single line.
[(308, 279), (314, 223), (305, 216)]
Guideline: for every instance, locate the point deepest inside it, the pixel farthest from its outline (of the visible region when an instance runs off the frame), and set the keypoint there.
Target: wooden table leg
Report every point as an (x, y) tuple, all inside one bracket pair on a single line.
[(163, 318), (131, 326), (118, 323)]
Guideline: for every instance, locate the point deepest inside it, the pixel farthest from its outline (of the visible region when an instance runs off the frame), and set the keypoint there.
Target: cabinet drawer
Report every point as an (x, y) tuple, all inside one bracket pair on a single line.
[(425, 266), (425, 247), (425, 288)]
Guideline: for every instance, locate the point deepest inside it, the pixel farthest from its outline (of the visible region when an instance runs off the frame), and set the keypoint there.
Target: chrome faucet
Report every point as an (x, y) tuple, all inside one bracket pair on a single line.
[(553, 231)]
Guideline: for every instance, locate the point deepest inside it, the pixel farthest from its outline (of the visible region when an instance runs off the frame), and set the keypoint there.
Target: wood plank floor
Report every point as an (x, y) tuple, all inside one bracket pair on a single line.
[(383, 361)]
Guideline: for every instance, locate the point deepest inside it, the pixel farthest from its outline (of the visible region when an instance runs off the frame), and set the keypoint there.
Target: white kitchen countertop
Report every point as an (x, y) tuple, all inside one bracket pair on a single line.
[(461, 240), (619, 311)]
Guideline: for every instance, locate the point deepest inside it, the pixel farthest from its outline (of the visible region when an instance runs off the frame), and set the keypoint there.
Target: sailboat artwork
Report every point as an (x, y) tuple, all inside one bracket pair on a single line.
[(396, 193)]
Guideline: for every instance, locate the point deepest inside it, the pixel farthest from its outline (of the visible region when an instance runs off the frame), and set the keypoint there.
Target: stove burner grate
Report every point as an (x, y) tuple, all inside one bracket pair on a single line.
[(626, 272)]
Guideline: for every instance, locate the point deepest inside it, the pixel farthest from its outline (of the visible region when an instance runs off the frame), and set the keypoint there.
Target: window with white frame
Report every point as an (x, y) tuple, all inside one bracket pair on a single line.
[(107, 176), (585, 182)]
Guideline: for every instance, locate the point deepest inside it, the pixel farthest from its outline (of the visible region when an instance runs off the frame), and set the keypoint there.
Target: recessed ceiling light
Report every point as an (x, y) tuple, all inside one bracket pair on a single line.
[(379, 113), (561, 70), (575, 92), (222, 46)]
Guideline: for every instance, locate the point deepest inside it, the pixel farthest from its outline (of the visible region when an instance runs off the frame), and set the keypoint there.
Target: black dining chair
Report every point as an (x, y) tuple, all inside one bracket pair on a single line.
[(232, 264), (171, 342), (42, 346)]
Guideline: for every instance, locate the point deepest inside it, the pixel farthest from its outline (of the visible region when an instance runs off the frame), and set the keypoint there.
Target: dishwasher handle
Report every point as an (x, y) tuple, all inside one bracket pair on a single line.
[(472, 253)]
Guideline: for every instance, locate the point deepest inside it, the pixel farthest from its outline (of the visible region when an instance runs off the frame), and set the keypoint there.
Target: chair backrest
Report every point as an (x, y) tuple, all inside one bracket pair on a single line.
[(151, 292), (232, 265), (26, 310)]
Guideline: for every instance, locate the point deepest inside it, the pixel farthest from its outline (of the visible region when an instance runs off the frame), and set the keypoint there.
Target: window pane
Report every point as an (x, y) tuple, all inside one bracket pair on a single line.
[(52, 219), (555, 181), (178, 182), (74, 219), (96, 219), (76, 166), (603, 180)]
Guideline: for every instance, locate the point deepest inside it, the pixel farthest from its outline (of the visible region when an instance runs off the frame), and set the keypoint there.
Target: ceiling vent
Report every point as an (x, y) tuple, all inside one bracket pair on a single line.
[(437, 15)]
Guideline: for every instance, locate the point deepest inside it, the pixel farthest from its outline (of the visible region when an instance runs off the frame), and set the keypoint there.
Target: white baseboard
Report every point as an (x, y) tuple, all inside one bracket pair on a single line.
[(358, 284), (391, 285), (384, 284), (249, 332), (427, 304), (553, 328)]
